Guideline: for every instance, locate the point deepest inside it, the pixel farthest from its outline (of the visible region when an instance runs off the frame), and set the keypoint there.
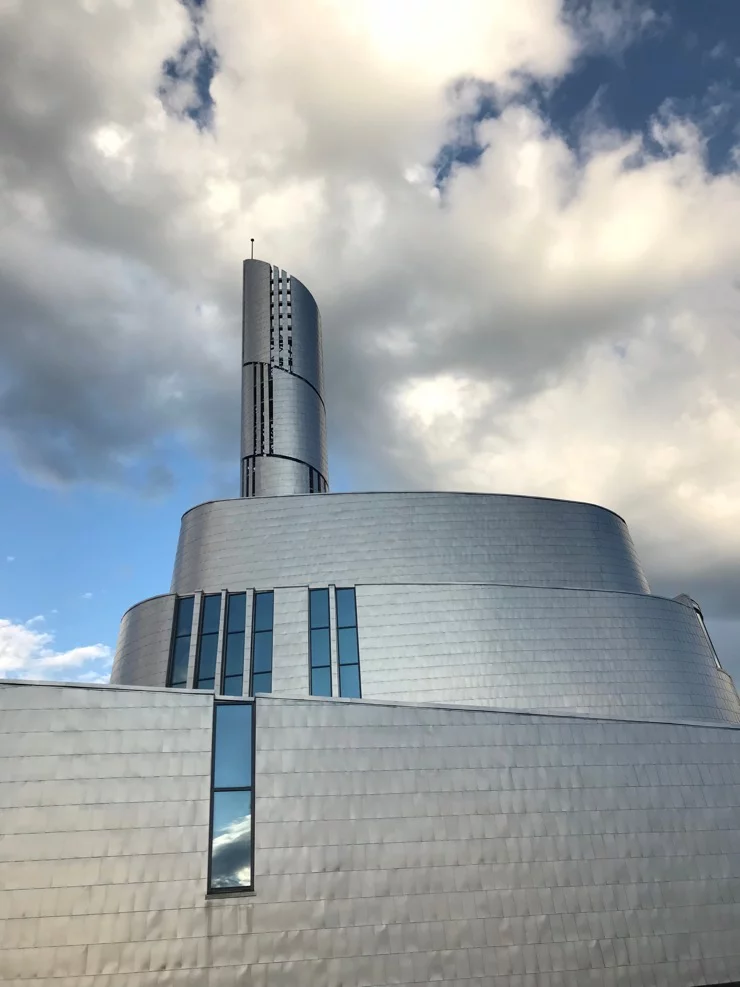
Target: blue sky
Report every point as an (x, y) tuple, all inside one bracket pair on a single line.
[(80, 545)]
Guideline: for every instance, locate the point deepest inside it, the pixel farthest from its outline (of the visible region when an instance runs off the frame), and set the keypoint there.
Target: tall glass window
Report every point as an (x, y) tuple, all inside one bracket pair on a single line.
[(205, 667), (230, 863), (320, 647), (178, 671), (348, 647), (232, 664), (262, 642)]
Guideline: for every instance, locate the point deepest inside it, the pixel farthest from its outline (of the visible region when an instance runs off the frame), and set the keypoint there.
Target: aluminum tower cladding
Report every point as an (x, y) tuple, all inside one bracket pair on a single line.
[(283, 440)]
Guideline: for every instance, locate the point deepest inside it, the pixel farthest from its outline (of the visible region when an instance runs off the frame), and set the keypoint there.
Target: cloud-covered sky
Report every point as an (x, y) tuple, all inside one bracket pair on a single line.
[(521, 221)]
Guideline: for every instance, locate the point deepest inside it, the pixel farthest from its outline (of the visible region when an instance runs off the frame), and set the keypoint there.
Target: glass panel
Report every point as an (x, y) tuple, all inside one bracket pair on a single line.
[(320, 651), (237, 613), (349, 681), (231, 848), (262, 657), (234, 658), (263, 605), (184, 616), (319, 607), (180, 654), (207, 660), (347, 639), (210, 614), (233, 685), (320, 681), (232, 763), (262, 682), (205, 684), (346, 616)]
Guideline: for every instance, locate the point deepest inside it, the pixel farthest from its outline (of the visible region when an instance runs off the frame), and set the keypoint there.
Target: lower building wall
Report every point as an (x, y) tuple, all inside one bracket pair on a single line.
[(394, 845)]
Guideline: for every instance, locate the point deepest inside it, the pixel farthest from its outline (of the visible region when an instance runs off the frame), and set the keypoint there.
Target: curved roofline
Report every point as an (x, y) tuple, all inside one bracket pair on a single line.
[(426, 493), (147, 599)]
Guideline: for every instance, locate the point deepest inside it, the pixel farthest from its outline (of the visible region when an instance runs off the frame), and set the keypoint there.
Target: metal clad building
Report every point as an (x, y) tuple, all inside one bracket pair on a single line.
[(374, 739)]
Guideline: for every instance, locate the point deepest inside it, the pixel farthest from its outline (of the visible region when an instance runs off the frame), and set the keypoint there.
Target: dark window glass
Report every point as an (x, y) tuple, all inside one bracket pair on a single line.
[(178, 672), (233, 685), (263, 606), (231, 844), (180, 655), (234, 658), (237, 612), (319, 607), (320, 681), (347, 644), (348, 652), (207, 661), (349, 681), (232, 677), (320, 643), (346, 608), (320, 648), (210, 614), (233, 740), (261, 682), (262, 652), (184, 617)]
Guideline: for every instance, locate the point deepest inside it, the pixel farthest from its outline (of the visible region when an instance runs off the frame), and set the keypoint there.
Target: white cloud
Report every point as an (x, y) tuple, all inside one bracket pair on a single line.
[(10, 558), (87, 596), (27, 652)]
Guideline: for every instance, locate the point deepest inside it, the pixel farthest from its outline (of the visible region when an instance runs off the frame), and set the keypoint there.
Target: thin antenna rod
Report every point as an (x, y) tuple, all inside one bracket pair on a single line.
[(252, 239)]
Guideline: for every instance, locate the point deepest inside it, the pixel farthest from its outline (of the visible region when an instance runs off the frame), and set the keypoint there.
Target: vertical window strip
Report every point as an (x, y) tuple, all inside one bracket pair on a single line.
[(254, 411), (205, 664), (271, 430), (177, 677), (262, 409), (231, 857), (289, 317), (319, 642), (232, 658), (348, 644), (272, 314), (262, 626)]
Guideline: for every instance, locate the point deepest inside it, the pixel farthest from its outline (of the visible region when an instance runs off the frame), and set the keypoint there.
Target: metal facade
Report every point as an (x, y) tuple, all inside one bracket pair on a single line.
[(283, 435), (520, 647), (394, 845), (404, 538)]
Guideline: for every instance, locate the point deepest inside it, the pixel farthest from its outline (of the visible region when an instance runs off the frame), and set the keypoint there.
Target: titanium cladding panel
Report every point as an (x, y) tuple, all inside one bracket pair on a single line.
[(404, 538), (283, 436), (394, 845)]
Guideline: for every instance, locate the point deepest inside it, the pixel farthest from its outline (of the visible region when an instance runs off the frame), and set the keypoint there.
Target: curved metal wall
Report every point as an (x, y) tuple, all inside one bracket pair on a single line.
[(615, 654), (143, 647), (611, 654), (404, 538)]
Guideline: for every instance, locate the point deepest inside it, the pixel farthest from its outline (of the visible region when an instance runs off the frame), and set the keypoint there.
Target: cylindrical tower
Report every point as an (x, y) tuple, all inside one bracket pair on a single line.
[(283, 441)]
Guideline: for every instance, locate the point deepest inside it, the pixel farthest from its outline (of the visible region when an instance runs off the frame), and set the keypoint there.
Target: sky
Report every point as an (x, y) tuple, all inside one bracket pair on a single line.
[(521, 222)]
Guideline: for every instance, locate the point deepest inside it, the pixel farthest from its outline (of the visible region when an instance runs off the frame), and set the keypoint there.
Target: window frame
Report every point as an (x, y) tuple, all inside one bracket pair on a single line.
[(174, 637), (321, 627), (225, 644), (212, 892), (211, 634), (255, 632), (348, 627)]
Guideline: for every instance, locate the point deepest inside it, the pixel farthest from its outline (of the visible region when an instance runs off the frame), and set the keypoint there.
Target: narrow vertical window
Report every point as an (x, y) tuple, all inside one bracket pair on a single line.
[(178, 675), (319, 644), (230, 863), (205, 665), (232, 662), (349, 651), (262, 643)]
